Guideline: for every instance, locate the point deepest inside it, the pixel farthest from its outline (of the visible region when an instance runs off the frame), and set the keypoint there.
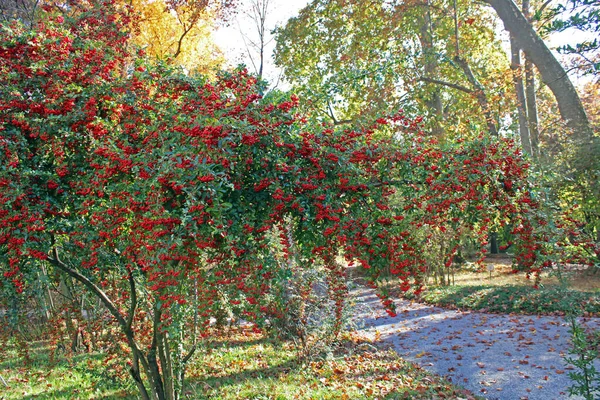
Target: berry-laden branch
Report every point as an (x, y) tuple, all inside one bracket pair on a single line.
[(166, 192)]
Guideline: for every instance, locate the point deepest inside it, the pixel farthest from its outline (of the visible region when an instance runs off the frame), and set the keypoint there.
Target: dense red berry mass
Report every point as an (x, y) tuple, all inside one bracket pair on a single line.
[(178, 192)]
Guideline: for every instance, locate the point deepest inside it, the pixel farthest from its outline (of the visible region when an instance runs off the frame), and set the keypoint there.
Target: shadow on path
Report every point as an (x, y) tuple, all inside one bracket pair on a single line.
[(495, 356)]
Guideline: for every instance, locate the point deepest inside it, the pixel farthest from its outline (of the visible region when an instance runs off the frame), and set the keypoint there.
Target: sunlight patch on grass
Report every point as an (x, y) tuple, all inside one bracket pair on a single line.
[(238, 364)]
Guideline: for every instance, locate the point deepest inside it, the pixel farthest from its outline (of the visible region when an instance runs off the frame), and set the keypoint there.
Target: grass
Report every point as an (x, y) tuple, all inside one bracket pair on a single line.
[(58, 376), (238, 365), (575, 279), (513, 299), (506, 292)]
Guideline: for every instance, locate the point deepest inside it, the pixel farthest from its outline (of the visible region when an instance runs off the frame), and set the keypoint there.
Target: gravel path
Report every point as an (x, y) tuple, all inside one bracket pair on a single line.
[(495, 356)]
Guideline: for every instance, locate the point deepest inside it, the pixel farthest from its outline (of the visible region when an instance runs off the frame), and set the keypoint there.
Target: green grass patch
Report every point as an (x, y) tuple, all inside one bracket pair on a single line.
[(238, 365), (512, 299), (247, 365), (44, 373)]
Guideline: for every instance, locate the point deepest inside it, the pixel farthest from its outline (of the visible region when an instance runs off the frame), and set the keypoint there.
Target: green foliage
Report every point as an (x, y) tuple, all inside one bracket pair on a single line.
[(583, 354), (50, 373), (584, 16), (357, 61)]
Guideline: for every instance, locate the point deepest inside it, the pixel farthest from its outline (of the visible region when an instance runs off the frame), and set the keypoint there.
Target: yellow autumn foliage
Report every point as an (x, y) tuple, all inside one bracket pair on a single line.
[(180, 35)]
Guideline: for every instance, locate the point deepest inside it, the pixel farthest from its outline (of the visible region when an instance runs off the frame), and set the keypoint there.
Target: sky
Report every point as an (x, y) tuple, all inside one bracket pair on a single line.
[(234, 39)]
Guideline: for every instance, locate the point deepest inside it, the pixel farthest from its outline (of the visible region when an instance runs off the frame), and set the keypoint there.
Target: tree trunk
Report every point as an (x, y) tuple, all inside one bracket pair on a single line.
[(515, 65), (45, 298), (138, 356), (553, 74), (494, 249), (430, 62), (480, 93), (532, 113)]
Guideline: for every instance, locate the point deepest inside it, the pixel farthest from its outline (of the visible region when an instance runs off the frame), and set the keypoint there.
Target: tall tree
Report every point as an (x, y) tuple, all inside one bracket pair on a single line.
[(355, 60), (431, 69), (518, 73), (552, 72), (531, 95)]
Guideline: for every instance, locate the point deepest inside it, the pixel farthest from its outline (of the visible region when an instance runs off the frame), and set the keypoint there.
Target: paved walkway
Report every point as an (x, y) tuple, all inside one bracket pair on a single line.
[(495, 356)]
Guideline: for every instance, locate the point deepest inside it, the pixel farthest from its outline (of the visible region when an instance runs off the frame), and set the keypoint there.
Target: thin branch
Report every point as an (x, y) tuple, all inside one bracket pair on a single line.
[(133, 305), (480, 93), (331, 113), (343, 122), (456, 29), (92, 287), (244, 37), (444, 83), (180, 41), (189, 355), (543, 6)]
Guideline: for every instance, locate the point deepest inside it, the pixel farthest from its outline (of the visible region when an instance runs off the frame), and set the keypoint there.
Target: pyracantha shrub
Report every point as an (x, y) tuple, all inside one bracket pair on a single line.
[(160, 193)]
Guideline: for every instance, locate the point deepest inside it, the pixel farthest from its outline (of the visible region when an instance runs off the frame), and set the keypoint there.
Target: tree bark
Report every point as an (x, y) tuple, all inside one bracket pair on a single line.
[(517, 68), (480, 94), (531, 97), (532, 111), (553, 74), (129, 334), (434, 102), (494, 248)]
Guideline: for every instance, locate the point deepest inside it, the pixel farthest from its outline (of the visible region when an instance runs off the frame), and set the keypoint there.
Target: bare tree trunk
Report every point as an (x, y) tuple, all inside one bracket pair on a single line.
[(531, 98), (164, 353), (521, 100), (45, 298), (532, 111), (158, 388), (434, 103)]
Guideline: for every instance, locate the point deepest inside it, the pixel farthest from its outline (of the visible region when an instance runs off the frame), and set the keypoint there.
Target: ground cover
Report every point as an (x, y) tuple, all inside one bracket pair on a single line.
[(239, 364), (502, 291)]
